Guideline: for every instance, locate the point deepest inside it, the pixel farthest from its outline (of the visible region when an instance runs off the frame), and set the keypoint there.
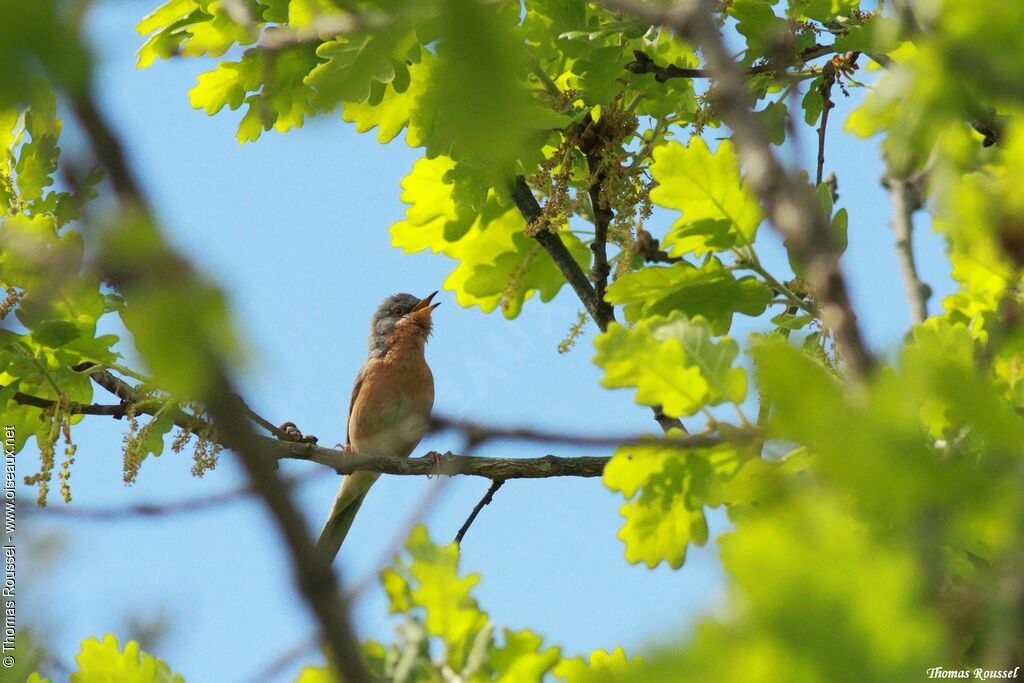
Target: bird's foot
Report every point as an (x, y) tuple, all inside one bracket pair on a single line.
[(292, 433), (438, 459)]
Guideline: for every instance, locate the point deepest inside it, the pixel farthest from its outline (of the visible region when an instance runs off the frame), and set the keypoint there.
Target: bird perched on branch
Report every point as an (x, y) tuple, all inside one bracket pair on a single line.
[(391, 402)]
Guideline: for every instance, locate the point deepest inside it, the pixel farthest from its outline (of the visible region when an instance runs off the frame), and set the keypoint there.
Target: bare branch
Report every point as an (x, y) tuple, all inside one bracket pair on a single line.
[(828, 79), (486, 500), (603, 216), (478, 433), (645, 64), (905, 195), (552, 243), (597, 308)]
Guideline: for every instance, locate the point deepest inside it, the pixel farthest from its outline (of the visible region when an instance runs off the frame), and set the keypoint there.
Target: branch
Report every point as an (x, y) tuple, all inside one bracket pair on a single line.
[(645, 64), (599, 310), (116, 411), (450, 464), (649, 247), (828, 79), (905, 194), (552, 243), (187, 506), (790, 205), (486, 500), (603, 216), (478, 433), (109, 151), (316, 581)]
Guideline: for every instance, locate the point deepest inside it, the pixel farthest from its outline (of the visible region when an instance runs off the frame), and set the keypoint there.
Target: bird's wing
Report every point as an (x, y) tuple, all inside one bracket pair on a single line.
[(352, 401)]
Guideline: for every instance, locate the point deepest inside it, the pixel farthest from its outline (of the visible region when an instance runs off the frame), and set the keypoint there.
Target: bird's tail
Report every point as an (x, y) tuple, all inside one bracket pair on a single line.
[(350, 498)]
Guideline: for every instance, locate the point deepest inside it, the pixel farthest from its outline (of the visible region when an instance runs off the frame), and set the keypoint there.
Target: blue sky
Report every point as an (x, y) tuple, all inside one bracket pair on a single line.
[(294, 228)]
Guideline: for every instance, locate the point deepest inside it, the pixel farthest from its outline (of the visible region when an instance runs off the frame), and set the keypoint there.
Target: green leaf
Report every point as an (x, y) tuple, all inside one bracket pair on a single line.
[(104, 661), (40, 49), (55, 333), (710, 291), (228, 84), (708, 189), (276, 97), (756, 21), (521, 657), (822, 10), (600, 667), (497, 263), (813, 103), (181, 345), (601, 73), (435, 587), (814, 589), (480, 108), (673, 363), (353, 64), (38, 158), (666, 490), (216, 35), (773, 120), (393, 112), (165, 15)]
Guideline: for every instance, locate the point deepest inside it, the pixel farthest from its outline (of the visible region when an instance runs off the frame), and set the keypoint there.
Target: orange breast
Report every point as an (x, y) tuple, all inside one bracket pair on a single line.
[(391, 409)]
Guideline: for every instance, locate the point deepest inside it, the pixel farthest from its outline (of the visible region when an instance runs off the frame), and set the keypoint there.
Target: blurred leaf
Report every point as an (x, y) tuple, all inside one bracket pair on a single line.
[(38, 49), (821, 10), (600, 667), (104, 661)]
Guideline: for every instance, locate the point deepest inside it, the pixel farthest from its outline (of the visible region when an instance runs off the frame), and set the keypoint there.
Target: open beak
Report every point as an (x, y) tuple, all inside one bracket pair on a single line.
[(425, 304)]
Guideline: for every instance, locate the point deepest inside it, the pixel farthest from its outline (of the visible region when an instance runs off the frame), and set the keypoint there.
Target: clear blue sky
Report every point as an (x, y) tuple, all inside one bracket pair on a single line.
[(294, 228)]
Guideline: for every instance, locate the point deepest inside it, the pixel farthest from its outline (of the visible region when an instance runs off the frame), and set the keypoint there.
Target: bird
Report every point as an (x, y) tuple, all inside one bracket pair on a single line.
[(391, 401)]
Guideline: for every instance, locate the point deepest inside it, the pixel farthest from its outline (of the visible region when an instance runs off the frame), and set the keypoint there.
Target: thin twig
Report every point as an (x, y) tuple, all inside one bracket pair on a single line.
[(277, 666), (186, 506), (603, 216), (398, 539), (905, 195), (528, 206), (599, 311), (486, 500), (110, 152), (828, 79)]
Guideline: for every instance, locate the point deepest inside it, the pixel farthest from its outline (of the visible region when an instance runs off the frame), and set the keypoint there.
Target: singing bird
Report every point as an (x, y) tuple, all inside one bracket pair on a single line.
[(391, 402)]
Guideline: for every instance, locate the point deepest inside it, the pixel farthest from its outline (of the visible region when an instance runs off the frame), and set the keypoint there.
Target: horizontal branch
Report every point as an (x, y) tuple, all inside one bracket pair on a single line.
[(450, 464), (433, 463), (644, 64)]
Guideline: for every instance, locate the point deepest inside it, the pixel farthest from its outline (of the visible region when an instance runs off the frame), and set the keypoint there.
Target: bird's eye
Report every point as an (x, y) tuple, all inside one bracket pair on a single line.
[(397, 310)]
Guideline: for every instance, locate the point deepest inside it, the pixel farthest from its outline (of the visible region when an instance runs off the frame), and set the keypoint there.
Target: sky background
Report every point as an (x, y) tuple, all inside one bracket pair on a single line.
[(294, 228)]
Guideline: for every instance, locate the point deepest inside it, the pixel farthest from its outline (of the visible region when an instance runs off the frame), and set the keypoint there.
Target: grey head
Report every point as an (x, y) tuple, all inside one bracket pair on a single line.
[(394, 310)]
